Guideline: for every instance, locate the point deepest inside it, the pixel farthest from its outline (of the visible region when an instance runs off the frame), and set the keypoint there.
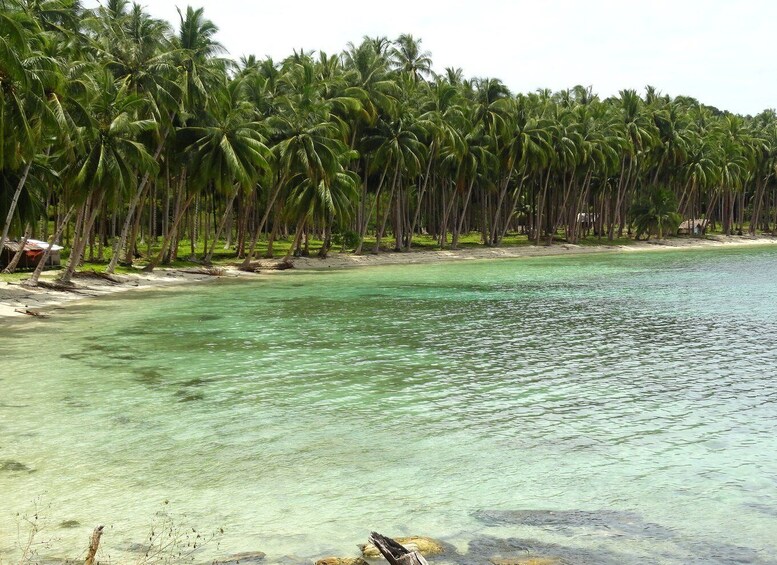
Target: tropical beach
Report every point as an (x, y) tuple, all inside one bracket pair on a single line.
[(17, 300), (280, 287)]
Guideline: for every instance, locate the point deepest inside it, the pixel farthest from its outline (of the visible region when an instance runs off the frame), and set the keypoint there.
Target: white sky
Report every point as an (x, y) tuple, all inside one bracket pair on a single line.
[(719, 51)]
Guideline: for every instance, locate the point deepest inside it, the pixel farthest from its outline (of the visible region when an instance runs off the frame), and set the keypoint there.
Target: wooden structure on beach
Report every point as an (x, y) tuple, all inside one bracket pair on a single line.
[(31, 255), (693, 227)]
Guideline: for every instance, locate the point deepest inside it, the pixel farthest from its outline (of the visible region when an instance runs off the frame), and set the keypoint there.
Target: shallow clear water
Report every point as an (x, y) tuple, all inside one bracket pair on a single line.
[(453, 400)]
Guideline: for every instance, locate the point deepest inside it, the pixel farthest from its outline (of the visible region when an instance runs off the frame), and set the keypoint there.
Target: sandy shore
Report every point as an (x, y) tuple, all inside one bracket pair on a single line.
[(16, 299)]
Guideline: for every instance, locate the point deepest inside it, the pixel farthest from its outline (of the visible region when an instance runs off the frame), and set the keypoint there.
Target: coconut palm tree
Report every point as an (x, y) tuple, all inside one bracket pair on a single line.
[(112, 155), (24, 112), (407, 56), (229, 152), (656, 213)]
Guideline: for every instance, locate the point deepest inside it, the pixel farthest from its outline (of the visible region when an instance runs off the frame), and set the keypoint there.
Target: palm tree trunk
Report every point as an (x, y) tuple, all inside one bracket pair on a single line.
[(365, 224), (382, 226), (77, 252), (122, 241), (132, 241), (11, 267), (276, 226), (14, 202), (421, 196), (222, 223), (500, 202), (258, 232), (33, 280), (297, 238), (516, 197), (540, 209), (460, 225), (170, 235)]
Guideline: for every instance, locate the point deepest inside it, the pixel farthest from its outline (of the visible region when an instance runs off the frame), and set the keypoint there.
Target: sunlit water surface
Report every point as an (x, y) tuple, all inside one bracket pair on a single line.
[(637, 393)]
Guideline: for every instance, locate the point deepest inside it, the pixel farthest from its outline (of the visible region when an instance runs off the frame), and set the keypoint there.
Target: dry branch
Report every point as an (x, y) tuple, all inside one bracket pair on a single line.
[(93, 545)]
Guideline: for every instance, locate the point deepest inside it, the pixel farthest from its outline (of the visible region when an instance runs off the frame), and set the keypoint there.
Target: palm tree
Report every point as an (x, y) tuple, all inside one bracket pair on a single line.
[(135, 48), (656, 212), (112, 156), (196, 55), (229, 152), (24, 112), (394, 147), (407, 57)]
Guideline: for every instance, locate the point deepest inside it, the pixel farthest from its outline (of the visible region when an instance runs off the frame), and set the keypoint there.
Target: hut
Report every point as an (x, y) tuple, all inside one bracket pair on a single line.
[(693, 227), (33, 252)]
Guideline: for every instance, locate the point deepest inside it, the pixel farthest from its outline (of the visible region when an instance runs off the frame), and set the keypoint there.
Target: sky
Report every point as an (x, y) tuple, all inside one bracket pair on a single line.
[(721, 52)]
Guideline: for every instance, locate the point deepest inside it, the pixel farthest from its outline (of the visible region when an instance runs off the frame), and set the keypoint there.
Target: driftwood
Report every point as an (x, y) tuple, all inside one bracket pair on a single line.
[(256, 266), (282, 266), (62, 287), (94, 543), (31, 313), (250, 268), (212, 272), (113, 279), (394, 552)]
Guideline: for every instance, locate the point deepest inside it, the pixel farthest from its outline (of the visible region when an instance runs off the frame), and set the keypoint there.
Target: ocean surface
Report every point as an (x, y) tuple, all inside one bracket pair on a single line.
[(604, 409)]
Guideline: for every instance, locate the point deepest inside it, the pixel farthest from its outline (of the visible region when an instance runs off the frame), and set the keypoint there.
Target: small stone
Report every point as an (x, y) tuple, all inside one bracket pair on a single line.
[(423, 545), (341, 561)]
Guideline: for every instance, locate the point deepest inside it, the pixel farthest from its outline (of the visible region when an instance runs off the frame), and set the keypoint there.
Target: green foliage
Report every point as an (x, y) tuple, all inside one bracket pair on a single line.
[(656, 213)]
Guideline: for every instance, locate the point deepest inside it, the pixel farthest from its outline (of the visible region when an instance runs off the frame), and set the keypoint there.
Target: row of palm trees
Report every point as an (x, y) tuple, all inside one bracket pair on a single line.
[(121, 129)]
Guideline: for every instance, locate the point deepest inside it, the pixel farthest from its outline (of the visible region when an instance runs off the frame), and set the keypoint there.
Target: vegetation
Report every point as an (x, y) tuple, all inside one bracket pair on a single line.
[(130, 138)]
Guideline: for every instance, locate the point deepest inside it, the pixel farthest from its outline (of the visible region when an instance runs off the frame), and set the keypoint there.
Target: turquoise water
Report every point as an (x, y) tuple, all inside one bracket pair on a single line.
[(634, 395)]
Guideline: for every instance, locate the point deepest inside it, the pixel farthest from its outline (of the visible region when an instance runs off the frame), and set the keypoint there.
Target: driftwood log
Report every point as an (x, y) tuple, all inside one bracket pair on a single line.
[(94, 543), (31, 313), (211, 271), (394, 552), (100, 275)]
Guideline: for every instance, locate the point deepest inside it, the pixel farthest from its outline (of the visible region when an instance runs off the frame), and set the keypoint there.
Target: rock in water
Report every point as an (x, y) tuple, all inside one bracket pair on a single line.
[(247, 558), (341, 561)]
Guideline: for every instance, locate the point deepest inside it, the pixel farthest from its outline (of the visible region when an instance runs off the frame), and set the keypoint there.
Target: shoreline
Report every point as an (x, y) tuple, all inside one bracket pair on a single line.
[(15, 297)]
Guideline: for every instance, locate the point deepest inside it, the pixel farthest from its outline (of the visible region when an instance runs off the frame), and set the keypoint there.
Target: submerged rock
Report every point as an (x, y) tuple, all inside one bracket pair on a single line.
[(609, 522), (423, 545), (187, 396), (69, 524), (245, 558), (341, 561), (12, 466), (515, 551)]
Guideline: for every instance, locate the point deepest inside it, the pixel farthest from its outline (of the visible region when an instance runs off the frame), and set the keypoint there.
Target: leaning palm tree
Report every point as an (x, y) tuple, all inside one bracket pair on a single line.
[(24, 112), (112, 157)]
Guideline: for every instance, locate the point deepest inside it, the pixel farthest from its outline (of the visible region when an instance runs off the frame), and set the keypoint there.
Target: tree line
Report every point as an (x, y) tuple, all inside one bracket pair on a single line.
[(117, 129)]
